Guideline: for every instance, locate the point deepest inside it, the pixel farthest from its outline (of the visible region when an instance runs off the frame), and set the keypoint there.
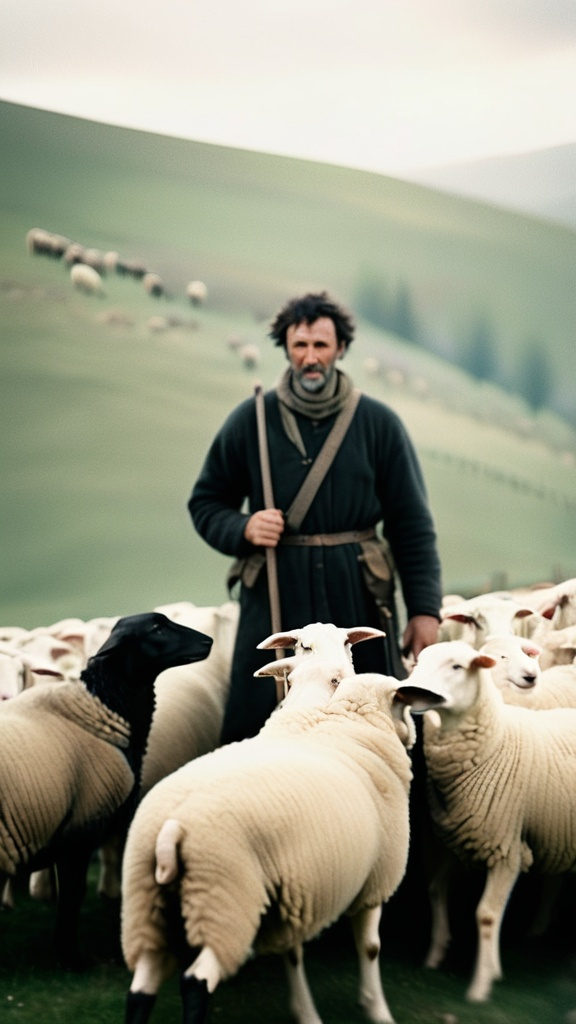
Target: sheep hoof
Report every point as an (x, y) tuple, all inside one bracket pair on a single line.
[(195, 999), (139, 1006)]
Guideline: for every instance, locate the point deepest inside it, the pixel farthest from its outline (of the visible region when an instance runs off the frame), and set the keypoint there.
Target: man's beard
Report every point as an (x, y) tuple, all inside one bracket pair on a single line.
[(318, 383)]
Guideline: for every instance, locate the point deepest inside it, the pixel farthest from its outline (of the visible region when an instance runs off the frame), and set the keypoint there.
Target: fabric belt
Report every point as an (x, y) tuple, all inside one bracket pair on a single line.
[(310, 540)]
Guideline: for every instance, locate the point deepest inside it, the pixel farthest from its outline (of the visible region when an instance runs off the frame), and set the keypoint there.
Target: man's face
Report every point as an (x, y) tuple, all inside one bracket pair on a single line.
[(312, 350)]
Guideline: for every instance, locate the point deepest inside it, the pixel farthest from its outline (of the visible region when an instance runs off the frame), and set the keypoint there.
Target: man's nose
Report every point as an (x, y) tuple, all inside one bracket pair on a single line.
[(310, 357)]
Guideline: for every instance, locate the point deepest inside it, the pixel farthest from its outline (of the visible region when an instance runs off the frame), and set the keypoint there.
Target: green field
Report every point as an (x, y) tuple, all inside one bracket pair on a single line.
[(106, 425)]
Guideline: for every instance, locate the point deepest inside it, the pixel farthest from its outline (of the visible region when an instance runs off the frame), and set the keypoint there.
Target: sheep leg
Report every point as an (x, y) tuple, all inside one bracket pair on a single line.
[(139, 1006), (300, 1000), (71, 873), (7, 889), (195, 999), (441, 935), (500, 881), (551, 887), (371, 997)]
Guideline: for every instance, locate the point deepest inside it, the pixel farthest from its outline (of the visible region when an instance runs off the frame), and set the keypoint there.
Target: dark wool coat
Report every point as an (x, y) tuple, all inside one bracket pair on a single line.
[(375, 478)]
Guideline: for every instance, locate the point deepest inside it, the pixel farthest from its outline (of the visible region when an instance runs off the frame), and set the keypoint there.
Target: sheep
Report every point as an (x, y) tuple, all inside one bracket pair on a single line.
[(250, 355), (501, 782), (556, 602), (558, 646), (82, 744), (86, 279), (229, 826), (527, 685), (190, 699), (15, 672), (157, 323), (133, 268), (110, 261), (520, 680), (474, 620), (94, 258), (74, 253), (516, 670), (196, 292), (153, 285), (39, 241)]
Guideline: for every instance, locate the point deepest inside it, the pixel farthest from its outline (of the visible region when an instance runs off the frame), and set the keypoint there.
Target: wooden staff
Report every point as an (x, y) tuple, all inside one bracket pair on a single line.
[(271, 565)]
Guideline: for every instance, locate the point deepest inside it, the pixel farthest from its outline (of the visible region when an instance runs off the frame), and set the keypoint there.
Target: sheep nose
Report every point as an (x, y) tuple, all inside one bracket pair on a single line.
[(530, 678)]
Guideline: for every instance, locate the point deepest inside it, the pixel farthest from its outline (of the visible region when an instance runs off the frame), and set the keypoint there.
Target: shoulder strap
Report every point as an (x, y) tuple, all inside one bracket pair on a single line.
[(322, 463)]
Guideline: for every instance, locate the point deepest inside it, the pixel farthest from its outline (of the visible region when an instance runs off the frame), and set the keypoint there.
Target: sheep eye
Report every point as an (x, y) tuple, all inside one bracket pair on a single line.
[(456, 667), (305, 648)]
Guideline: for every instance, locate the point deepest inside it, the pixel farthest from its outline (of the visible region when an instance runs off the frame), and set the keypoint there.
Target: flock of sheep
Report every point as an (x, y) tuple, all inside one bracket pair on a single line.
[(260, 845), (89, 266)]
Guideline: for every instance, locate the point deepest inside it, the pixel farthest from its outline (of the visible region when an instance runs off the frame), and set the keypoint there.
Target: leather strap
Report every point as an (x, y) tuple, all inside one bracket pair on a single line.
[(322, 463), (309, 540)]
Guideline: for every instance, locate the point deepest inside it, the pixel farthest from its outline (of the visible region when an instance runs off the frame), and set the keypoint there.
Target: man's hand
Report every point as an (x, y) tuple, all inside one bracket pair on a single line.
[(421, 631), (264, 528)]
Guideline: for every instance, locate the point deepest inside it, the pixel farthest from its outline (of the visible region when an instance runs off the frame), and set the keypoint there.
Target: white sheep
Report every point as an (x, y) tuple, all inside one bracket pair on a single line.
[(196, 292), (153, 284), (522, 681), (15, 672), (479, 617), (82, 746), (266, 842), (250, 355), (74, 253), (516, 670), (556, 602), (501, 784), (86, 279), (558, 646)]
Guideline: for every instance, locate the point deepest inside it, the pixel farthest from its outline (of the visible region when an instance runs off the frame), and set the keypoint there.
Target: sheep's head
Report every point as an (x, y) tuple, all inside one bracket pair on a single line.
[(321, 638), (450, 672), (516, 661), (308, 682)]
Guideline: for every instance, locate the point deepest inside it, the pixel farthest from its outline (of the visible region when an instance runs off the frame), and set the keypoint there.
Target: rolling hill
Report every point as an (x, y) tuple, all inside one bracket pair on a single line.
[(107, 421), (540, 183)]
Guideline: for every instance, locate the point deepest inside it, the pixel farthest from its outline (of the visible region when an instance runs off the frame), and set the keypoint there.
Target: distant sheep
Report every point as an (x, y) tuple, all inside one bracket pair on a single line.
[(41, 242), (153, 285), (250, 355), (110, 260), (73, 254), (86, 279), (94, 258), (196, 292)]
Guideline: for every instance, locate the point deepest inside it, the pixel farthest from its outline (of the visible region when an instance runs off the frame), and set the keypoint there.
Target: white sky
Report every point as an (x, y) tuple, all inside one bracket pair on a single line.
[(386, 85)]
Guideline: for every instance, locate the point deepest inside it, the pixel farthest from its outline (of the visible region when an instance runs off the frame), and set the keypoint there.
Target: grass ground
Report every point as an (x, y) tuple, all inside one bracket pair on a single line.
[(539, 985)]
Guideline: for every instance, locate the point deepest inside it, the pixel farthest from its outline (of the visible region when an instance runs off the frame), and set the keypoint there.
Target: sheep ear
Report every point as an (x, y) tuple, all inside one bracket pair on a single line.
[(460, 617), (359, 633), (278, 640), (482, 661), (276, 668), (417, 698)]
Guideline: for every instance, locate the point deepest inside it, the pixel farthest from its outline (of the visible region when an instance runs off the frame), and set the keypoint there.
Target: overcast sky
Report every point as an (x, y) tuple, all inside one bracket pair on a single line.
[(386, 85)]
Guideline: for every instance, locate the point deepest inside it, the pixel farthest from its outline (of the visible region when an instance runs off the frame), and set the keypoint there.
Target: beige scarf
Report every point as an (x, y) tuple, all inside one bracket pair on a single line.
[(314, 405)]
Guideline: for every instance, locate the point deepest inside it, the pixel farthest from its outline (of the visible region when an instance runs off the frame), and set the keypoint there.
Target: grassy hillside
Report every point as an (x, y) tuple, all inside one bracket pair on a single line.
[(106, 423)]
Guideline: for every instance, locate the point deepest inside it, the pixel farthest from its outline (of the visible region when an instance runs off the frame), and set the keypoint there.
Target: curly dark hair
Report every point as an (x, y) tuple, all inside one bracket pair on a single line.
[(307, 309)]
